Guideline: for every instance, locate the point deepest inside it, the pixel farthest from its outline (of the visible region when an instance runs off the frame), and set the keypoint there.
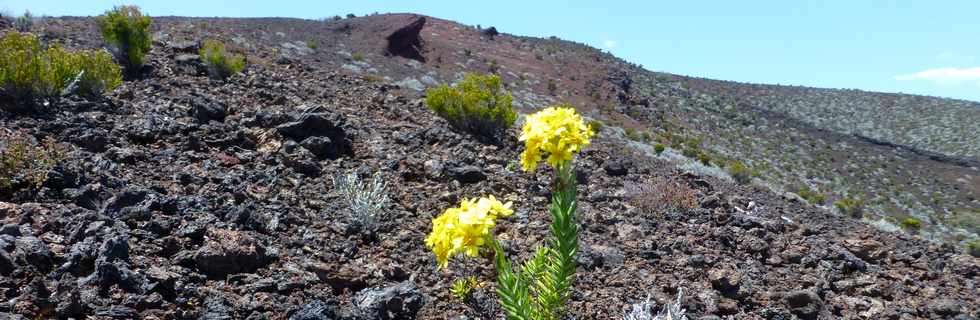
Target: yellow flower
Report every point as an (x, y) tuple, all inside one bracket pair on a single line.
[(558, 132), (464, 229)]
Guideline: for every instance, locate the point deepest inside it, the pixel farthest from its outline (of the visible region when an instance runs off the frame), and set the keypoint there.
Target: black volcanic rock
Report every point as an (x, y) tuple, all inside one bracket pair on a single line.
[(407, 41)]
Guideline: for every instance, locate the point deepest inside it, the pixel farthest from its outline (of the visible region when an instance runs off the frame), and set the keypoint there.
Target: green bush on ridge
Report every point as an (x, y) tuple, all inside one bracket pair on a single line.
[(478, 105), (27, 71), (220, 63), (126, 30)]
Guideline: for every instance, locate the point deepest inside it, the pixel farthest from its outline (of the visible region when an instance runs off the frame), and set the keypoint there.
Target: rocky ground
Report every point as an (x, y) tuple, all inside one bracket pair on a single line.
[(184, 198)]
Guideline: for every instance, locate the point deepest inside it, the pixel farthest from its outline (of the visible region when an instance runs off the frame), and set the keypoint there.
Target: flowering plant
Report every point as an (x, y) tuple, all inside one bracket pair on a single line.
[(540, 287)]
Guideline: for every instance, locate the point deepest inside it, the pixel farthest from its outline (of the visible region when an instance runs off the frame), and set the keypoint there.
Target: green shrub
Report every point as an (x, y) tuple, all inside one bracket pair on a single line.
[(704, 158), (811, 196), (126, 31), (691, 152), (851, 207), (659, 148), (220, 63), (632, 134), (477, 105), (739, 172), (357, 56), (22, 163), (596, 125), (311, 44), (27, 71), (973, 247), (911, 224)]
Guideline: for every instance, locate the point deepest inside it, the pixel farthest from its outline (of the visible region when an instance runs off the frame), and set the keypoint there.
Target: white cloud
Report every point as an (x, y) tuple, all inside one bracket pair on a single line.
[(609, 44), (944, 76)]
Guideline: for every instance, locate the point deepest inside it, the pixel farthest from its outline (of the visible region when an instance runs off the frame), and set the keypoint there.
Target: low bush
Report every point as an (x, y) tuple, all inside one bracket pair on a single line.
[(366, 199), (811, 196), (661, 194), (659, 148), (596, 125), (220, 63), (126, 30), (911, 224), (28, 72), (973, 247), (739, 172), (357, 56), (24, 163), (478, 105), (851, 207)]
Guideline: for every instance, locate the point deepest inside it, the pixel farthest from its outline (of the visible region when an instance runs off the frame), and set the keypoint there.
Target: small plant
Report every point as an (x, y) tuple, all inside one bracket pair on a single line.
[(477, 105), (492, 66), (24, 162), (811, 196), (644, 311), (462, 288), (24, 23), (357, 56), (126, 30), (631, 134), (739, 172), (541, 286), (220, 63), (851, 207), (311, 44), (552, 86), (911, 224), (704, 158), (366, 200), (596, 125), (663, 193), (973, 247), (659, 148), (28, 72)]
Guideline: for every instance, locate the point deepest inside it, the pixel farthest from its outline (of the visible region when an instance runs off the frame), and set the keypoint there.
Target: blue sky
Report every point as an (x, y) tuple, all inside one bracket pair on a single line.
[(922, 47)]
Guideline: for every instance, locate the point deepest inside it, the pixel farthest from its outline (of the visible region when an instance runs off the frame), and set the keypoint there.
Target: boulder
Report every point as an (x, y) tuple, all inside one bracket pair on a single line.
[(399, 301), (407, 41)]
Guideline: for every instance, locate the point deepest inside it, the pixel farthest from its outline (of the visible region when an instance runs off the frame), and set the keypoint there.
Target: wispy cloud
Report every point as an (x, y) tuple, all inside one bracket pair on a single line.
[(609, 44), (944, 76)]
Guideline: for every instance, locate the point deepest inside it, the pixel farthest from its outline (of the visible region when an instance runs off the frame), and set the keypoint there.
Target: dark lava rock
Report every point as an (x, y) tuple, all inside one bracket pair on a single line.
[(468, 174), (591, 257), (188, 63), (399, 301), (114, 273), (115, 248), (315, 310), (204, 110), (228, 252), (490, 32), (316, 123), (726, 281), (10, 229), (6, 263), (131, 204), (617, 168), (187, 46), (34, 252), (407, 41), (945, 307), (322, 147), (118, 312), (805, 304)]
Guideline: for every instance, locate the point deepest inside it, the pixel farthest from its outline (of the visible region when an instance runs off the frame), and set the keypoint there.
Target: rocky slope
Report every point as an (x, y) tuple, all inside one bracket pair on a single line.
[(185, 198)]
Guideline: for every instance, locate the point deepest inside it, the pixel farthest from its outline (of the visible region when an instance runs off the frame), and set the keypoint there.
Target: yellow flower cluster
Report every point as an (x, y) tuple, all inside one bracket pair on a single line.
[(557, 131), (465, 228)]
